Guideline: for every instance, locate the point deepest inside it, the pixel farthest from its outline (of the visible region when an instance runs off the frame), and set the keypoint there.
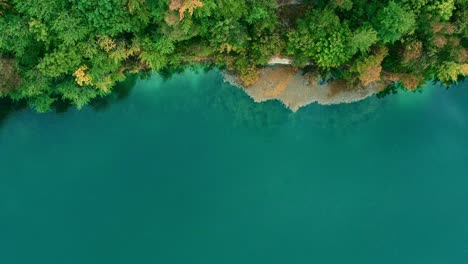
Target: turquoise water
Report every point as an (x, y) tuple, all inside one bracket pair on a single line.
[(190, 170)]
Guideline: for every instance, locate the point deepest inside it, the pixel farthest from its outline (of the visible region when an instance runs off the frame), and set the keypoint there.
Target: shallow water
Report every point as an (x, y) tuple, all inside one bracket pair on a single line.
[(190, 170)]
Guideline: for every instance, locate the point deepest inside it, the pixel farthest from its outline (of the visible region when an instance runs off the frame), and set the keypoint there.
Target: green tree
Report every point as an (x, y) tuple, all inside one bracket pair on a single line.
[(448, 72), (393, 21), (77, 50), (15, 36), (362, 39), (59, 62), (78, 95), (443, 9), (322, 38)]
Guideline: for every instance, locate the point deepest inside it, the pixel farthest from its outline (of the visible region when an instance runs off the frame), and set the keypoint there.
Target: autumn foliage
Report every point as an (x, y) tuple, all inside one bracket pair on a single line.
[(185, 5)]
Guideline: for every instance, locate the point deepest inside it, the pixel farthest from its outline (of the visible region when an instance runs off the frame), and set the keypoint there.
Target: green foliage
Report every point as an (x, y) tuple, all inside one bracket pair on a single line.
[(257, 15), (228, 35), (63, 61), (233, 9), (34, 84), (77, 50), (15, 36), (449, 72), (41, 103), (443, 9), (109, 17), (165, 46), (342, 4), (264, 47), (150, 55), (415, 5), (69, 28), (393, 21), (362, 39), (39, 30), (79, 96), (44, 10), (322, 38)]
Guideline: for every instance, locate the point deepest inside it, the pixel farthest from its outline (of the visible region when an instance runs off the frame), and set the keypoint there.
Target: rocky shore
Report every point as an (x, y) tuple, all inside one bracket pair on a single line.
[(296, 89)]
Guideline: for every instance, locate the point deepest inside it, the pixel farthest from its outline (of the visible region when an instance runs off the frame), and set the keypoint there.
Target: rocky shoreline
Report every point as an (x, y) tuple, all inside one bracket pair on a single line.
[(296, 89)]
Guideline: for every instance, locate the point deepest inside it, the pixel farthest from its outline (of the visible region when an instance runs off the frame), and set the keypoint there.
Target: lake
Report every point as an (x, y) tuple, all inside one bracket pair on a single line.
[(190, 170)]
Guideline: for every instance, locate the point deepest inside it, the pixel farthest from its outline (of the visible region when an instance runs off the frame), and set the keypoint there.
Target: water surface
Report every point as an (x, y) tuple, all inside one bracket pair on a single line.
[(190, 170)]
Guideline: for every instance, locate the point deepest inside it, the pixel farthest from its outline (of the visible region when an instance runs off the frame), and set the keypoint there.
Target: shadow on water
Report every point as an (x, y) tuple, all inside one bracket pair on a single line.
[(120, 92), (396, 87), (8, 107), (169, 72), (123, 89), (61, 106), (233, 103), (341, 117)]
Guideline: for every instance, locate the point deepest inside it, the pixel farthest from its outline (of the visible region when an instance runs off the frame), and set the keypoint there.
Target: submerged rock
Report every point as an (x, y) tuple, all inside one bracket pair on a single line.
[(296, 89)]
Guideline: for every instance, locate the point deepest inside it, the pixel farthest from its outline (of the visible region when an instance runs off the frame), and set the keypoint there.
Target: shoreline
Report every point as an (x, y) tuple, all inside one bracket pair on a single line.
[(294, 89)]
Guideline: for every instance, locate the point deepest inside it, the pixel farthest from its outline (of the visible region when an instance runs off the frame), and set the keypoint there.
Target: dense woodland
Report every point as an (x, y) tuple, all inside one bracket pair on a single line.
[(77, 50)]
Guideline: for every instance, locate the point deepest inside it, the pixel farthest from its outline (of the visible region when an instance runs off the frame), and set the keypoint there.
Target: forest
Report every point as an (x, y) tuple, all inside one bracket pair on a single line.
[(78, 50)]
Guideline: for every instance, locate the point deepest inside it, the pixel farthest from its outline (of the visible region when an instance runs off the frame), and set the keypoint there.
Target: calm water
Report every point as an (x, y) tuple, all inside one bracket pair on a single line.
[(190, 170)]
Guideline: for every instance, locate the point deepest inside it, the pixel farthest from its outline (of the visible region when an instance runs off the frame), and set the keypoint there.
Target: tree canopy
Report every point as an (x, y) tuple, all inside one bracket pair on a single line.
[(78, 50)]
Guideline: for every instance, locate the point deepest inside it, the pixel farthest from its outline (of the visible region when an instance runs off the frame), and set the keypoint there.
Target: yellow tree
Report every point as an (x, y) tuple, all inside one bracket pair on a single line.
[(184, 5)]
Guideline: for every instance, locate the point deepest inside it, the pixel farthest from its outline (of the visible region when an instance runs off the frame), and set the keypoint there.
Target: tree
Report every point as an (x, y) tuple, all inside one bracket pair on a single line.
[(77, 50), (362, 39), (322, 38), (449, 71), (109, 17), (369, 68), (393, 21), (60, 62), (15, 37), (443, 9), (78, 95)]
